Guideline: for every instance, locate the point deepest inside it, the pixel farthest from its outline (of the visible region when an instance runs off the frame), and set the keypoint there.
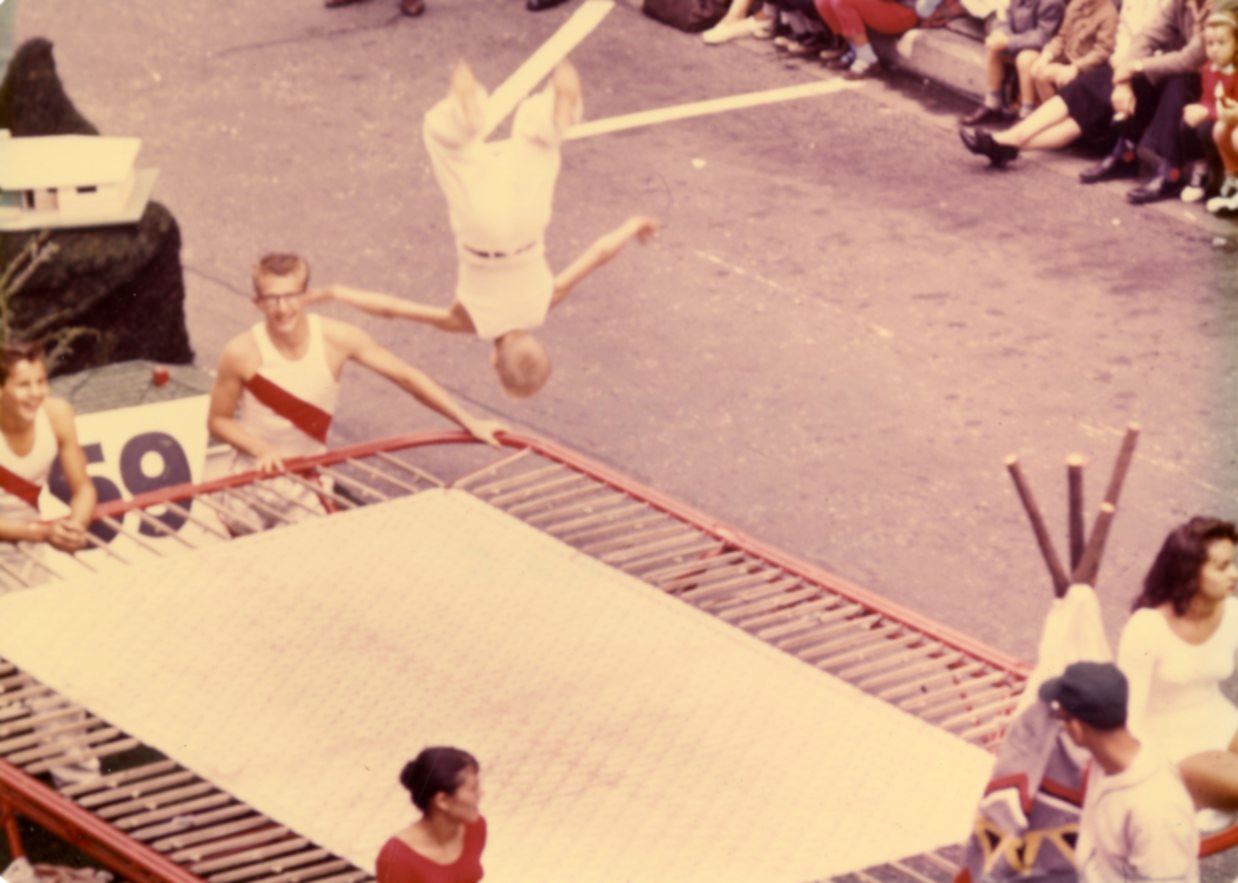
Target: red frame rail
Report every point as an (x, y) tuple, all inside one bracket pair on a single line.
[(990, 699)]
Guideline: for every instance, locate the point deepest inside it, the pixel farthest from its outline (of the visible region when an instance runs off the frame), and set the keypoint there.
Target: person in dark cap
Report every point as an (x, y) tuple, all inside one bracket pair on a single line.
[(1138, 822)]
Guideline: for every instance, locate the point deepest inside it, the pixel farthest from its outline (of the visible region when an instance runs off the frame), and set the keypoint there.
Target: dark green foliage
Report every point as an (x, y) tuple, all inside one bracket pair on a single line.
[(125, 282), (32, 100), (122, 282)]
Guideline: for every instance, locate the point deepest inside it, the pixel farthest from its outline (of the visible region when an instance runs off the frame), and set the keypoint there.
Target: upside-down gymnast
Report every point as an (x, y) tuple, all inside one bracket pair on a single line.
[(499, 199)]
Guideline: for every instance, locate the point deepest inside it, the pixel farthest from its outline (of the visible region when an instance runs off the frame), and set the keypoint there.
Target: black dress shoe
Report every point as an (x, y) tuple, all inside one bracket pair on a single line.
[(984, 114), (539, 5), (981, 143), (1167, 184), (1119, 164)]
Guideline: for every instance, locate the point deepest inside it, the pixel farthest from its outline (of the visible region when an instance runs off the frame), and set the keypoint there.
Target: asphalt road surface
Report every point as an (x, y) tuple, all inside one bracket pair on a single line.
[(845, 326)]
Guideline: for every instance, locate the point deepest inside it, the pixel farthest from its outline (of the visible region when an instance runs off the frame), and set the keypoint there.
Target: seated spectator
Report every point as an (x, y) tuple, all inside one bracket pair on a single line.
[(1017, 39), (447, 841), (1199, 118), (35, 431), (853, 19), (1204, 132), (1225, 136), (1085, 41), (1177, 648), (1139, 97)]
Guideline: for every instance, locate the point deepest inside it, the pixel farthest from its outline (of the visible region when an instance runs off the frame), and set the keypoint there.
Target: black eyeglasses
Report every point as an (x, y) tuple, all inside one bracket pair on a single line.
[(278, 298)]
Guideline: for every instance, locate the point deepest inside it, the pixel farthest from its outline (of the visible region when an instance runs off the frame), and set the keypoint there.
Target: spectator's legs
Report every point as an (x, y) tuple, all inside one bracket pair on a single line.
[(1225, 137), (737, 23), (1147, 100), (1027, 90), (1162, 133), (1048, 127), (739, 10), (994, 74), (825, 9), (883, 16), (1044, 85), (1200, 154), (1197, 143), (853, 19)]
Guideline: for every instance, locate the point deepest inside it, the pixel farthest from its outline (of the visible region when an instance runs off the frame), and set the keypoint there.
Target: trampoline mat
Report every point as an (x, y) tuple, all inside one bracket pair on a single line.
[(623, 735)]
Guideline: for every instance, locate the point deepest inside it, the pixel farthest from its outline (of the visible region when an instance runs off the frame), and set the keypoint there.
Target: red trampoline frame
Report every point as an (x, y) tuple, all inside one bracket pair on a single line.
[(23, 795)]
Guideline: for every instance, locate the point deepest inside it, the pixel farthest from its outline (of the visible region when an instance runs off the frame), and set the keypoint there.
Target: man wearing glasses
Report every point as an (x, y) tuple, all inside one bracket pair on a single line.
[(277, 385), (1138, 822)]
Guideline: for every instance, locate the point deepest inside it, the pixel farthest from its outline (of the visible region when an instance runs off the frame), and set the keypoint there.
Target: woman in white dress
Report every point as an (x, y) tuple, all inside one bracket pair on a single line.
[(1175, 650)]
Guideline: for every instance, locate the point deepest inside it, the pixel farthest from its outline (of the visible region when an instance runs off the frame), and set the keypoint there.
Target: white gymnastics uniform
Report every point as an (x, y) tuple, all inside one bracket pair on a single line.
[(32, 470), (499, 200), (289, 404), (1175, 692)]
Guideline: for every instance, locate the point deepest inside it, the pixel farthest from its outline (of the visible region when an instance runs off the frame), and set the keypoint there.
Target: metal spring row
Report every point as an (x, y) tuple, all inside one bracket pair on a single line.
[(161, 804), (215, 836), (880, 655)]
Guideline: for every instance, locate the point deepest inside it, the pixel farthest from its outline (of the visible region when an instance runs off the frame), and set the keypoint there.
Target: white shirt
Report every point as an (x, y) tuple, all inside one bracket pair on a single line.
[(1138, 825), (34, 467), (309, 378)]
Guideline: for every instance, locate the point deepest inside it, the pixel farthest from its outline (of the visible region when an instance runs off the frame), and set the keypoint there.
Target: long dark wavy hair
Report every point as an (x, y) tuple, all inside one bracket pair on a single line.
[(1174, 575)]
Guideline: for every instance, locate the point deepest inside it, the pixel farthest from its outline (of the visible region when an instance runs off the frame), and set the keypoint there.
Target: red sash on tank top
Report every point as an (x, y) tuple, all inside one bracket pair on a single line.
[(26, 491), (310, 419)]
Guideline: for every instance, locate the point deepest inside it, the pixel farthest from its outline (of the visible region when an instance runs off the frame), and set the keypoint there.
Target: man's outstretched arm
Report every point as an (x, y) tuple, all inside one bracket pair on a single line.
[(386, 306), (359, 346), (602, 250)]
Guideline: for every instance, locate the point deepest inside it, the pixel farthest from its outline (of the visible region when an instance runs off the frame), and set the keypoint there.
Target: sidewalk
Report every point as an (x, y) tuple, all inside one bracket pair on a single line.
[(952, 59)]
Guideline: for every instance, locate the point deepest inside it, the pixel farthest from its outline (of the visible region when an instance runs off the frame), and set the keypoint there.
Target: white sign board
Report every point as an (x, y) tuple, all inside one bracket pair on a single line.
[(133, 451)]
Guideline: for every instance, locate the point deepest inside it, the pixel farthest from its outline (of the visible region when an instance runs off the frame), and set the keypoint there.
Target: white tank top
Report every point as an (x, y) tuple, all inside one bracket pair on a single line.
[(307, 381), (32, 468)]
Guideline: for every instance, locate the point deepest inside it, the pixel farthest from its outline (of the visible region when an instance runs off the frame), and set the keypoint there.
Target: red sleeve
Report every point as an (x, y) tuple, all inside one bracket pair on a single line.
[(1208, 81)]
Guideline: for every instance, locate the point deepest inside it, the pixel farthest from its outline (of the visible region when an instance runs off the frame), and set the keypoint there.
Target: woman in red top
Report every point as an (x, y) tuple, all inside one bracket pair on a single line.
[(445, 844)]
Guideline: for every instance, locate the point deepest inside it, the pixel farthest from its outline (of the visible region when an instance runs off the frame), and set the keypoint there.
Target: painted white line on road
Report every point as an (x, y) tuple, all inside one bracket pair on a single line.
[(1159, 463), (740, 271), (504, 99), (878, 330), (705, 108)]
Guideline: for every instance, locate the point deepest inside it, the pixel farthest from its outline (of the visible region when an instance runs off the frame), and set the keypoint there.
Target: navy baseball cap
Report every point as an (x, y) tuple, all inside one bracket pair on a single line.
[(1093, 692)]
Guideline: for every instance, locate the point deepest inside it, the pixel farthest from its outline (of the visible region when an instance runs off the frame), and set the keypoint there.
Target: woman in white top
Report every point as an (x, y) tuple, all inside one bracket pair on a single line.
[(34, 430), (1178, 646)]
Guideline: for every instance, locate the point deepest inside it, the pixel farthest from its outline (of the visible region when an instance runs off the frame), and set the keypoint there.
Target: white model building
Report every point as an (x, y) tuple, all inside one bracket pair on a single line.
[(71, 181)]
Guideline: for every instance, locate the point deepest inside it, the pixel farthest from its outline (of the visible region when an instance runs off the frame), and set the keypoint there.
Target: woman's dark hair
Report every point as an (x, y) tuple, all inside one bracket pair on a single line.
[(435, 771), (1174, 575), (18, 351)]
